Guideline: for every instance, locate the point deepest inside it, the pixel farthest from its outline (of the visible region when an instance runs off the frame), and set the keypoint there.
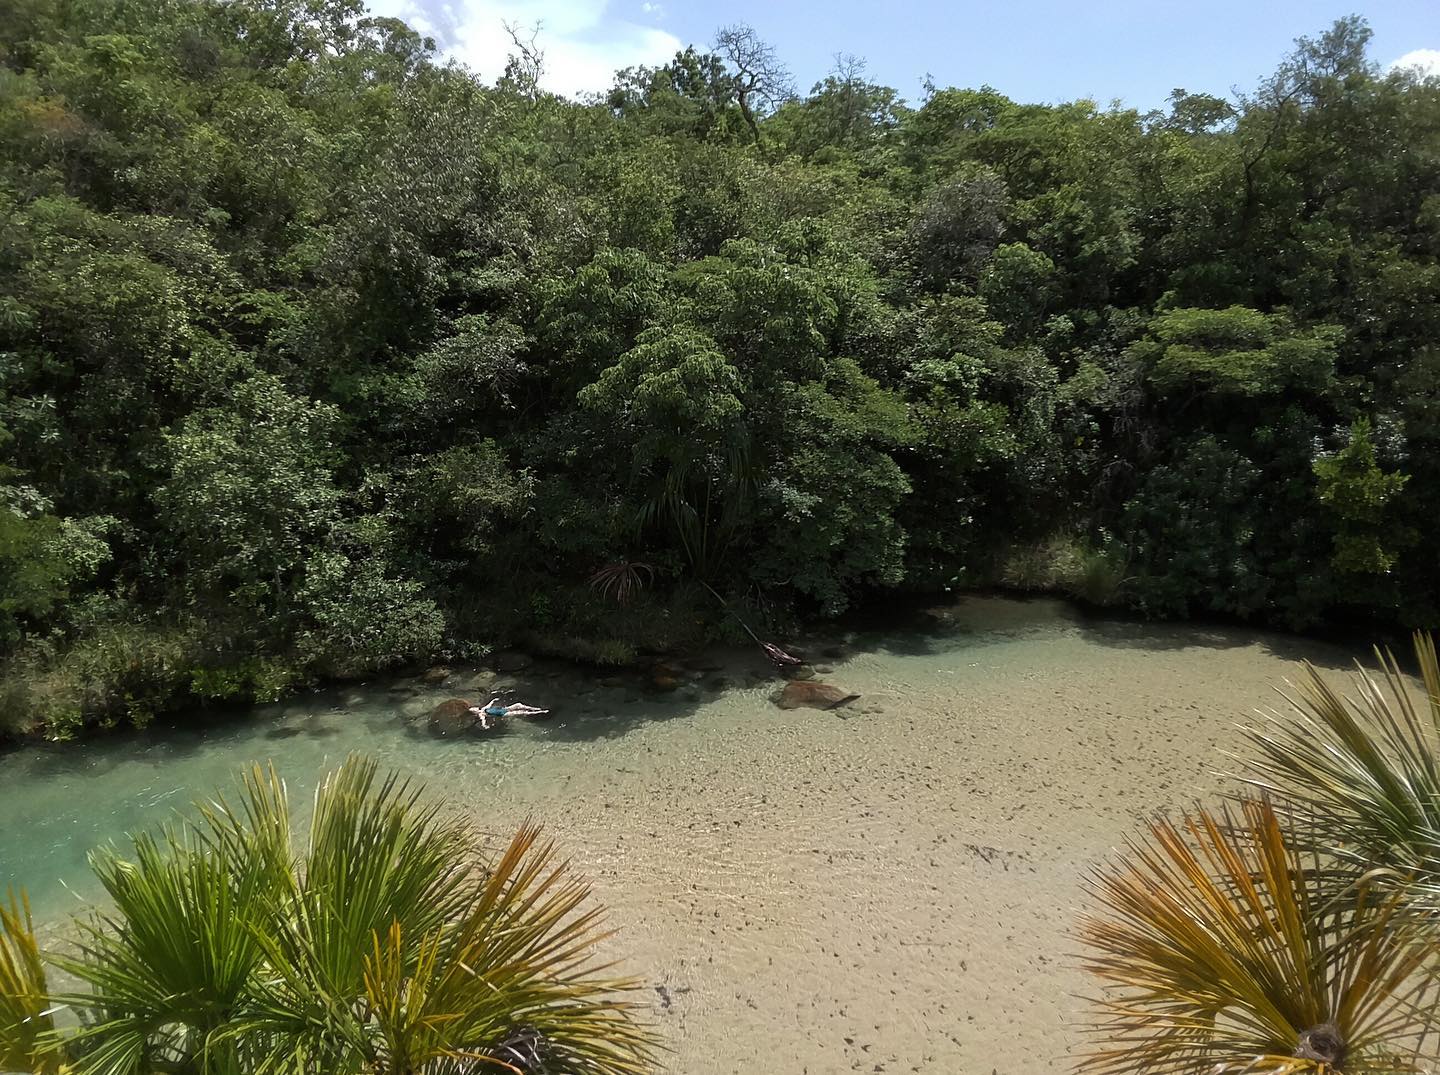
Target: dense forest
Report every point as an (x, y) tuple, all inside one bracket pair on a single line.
[(320, 356)]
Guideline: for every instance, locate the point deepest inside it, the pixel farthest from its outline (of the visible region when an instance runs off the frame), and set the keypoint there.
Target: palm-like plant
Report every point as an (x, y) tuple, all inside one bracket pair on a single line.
[(1220, 951), (26, 1029), (1360, 776), (374, 949), (621, 580)]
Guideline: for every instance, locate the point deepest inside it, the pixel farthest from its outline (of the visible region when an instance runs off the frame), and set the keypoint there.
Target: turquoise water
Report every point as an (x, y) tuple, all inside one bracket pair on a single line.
[(891, 884), (59, 801)]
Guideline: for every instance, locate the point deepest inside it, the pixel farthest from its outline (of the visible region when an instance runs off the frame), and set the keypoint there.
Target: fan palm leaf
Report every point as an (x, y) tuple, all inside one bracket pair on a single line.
[(1360, 775), (379, 948), (26, 1028), (1219, 951), (170, 963), (517, 969), (377, 854)]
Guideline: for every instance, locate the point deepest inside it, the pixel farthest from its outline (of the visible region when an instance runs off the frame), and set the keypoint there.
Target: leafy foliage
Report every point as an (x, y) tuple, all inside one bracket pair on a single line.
[(320, 356), (1352, 486), (1221, 950), (374, 948)]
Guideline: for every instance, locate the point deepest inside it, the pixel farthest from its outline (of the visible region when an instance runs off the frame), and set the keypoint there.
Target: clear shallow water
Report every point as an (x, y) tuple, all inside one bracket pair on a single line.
[(892, 884)]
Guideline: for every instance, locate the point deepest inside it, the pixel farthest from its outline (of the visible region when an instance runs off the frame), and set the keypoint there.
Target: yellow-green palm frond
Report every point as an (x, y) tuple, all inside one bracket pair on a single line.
[(1218, 951), (383, 946), (512, 984), (171, 961), (378, 852), (401, 951), (1360, 775), (26, 1029)]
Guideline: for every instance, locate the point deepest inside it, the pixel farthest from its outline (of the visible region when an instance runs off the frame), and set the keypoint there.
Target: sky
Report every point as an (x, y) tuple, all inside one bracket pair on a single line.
[(1135, 51)]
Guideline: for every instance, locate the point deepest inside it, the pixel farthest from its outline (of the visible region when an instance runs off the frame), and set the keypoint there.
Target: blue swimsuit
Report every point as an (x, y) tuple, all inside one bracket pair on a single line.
[(496, 710)]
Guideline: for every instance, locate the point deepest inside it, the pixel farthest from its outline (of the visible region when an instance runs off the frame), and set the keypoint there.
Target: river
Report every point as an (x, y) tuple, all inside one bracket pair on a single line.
[(887, 887)]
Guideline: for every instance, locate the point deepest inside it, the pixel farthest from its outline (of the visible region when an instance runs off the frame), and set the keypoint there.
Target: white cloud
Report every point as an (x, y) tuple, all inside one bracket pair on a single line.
[(405, 10), (583, 45), (1426, 60)]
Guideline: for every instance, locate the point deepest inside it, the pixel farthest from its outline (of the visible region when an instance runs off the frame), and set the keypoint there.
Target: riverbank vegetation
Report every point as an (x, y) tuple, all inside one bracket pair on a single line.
[(382, 947), (319, 356)]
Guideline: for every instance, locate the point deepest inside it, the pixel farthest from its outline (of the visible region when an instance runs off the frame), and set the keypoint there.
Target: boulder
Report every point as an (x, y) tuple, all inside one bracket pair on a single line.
[(438, 674), (512, 660), (665, 677), (452, 717), (814, 695)]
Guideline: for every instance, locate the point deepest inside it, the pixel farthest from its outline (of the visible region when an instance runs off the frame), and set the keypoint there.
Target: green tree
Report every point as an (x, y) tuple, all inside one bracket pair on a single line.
[(1359, 495), (250, 491), (675, 402)]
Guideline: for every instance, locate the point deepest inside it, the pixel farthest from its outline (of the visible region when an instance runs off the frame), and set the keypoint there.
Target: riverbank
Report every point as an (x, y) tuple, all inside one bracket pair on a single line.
[(660, 650), (892, 884)]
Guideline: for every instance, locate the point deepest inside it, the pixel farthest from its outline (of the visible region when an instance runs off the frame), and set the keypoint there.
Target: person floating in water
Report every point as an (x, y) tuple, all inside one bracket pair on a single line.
[(494, 710)]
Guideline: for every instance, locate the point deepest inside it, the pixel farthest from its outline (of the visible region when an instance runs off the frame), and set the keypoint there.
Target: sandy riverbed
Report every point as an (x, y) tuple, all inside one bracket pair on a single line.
[(887, 888), (893, 889)]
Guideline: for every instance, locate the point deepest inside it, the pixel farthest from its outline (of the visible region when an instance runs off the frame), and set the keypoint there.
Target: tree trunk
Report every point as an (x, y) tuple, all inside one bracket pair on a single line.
[(744, 98)]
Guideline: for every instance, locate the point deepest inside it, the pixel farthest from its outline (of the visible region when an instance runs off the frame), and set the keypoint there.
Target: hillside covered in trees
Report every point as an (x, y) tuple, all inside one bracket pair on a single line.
[(319, 356)]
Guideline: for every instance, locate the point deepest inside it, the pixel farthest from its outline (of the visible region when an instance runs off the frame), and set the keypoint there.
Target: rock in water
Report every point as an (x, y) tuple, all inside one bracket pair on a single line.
[(815, 695), (664, 677), (452, 717), (438, 674), (510, 661)]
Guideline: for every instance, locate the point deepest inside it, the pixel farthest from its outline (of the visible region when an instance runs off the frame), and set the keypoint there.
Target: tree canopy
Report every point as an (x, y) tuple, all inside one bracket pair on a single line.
[(321, 356)]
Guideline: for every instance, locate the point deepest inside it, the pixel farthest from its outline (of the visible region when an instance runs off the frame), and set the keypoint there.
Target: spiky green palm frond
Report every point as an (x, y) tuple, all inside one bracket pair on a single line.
[(380, 948), (513, 982), (516, 965), (1360, 775), (171, 963), (1219, 951), (378, 853), (26, 1028)]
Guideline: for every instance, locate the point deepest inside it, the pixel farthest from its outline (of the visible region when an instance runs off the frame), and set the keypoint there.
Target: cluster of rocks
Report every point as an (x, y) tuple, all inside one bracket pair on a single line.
[(459, 715), (804, 691)]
